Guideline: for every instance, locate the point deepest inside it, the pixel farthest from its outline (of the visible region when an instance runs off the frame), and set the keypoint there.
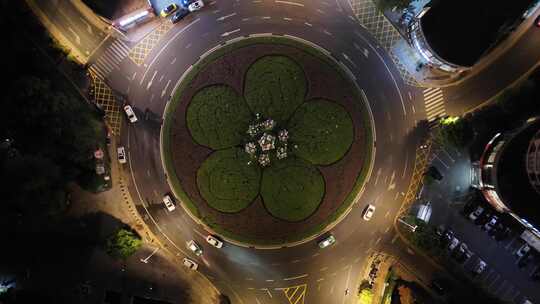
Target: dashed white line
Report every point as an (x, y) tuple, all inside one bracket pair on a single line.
[(287, 19), (289, 3), (225, 17), (266, 17), (165, 88), (151, 80), (308, 24)]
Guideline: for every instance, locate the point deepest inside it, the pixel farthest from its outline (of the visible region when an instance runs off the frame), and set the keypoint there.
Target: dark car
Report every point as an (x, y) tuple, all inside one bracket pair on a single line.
[(439, 286), (435, 173), (537, 21), (179, 15), (483, 219)]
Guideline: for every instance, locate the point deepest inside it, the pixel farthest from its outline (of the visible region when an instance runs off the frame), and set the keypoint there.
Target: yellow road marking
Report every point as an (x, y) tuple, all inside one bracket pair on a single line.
[(296, 294)]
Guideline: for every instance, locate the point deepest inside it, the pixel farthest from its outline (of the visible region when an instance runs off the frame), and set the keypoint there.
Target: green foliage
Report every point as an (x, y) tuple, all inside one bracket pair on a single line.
[(365, 296), (322, 130), (227, 182), (122, 244), (292, 189), (384, 5), (454, 131), (274, 87), (217, 117)]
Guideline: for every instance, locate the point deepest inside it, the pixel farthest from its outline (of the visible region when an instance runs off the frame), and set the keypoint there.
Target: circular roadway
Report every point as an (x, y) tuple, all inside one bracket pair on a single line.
[(250, 275)]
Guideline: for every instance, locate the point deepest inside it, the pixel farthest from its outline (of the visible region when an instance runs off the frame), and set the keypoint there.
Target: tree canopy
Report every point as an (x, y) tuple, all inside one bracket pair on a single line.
[(122, 244)]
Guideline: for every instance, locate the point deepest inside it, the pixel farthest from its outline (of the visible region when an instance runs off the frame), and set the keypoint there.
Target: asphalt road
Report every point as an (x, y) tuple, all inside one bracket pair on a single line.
[(251, 275), (72, 24), (261, 276)]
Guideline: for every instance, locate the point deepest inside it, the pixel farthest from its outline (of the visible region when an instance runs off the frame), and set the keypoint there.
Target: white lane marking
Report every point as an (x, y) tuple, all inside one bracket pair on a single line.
[(287, 19), (444, 164), (323, 269), (167, 44), (392, 184), (327, 32), (257, 300), (225, 17), (406, 160), (315, 254), (187, 46), (266, 17), (387, 69), (295, 278), (165, 89), (289, 3), (245, 19), (151, 80), (173, 61), (269, 280), (88, 27), (268, 291), (229, 33), (77, 38), (161, 78), (295, 261), (320, 11), (133, 77), (308, 24), (347, 283)]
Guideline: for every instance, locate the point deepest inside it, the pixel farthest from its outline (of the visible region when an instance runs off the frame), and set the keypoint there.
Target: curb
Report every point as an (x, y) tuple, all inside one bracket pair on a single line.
[(373, 148)]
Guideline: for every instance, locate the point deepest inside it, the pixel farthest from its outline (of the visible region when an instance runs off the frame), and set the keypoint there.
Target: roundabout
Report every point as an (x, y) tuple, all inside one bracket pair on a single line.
[(276, 137), (168, 154)]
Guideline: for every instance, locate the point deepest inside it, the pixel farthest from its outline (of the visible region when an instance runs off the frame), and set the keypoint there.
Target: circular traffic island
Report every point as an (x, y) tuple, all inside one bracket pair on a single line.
[(266, 141)]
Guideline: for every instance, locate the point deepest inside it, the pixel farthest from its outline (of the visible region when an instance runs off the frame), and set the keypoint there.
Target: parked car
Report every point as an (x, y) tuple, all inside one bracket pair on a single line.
[(214, 241), (447, 237), (194, 247), (435, 173), (439, 286), (179, 15), (523, 250), (195, 5), (190, 264), (462, 253), (327, 241), (476, 213), (185, 3), (121, 151), (169, 203), (483, 218), (169, 9), (492, 221), (368, 212), (480, 267), (130, 114), (453, 244)]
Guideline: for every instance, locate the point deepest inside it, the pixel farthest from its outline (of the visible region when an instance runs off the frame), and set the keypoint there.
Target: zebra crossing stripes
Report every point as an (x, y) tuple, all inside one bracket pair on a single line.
[(434, 102), (110, 59)]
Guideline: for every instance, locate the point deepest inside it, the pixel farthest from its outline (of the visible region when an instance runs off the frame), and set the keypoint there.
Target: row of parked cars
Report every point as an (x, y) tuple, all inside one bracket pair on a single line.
[(459, 251), (178, 13)]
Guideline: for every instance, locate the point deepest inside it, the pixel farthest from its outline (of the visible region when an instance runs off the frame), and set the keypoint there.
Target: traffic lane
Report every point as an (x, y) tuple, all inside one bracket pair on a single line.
[(68, 20), (500, 74)]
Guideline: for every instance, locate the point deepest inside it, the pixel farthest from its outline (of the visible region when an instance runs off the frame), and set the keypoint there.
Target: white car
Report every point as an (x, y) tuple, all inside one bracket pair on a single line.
[(453, 244), (368, 212), (169, 203), (327, 241), (190, 264), (195, 6), (121, 155), (489, 225), (480, 267), (523, 250), (214, 241), (130, 114), (476, 213), (191, 245)]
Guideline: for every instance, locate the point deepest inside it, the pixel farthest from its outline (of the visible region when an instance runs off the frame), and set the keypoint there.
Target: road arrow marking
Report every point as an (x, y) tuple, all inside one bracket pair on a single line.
[(77, 38), (151, 80), (165, 89), (229, 33), (225, 17)]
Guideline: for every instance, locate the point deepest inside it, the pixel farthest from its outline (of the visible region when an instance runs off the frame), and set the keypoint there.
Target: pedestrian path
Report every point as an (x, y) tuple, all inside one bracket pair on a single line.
[(109, 59), (434, 101)]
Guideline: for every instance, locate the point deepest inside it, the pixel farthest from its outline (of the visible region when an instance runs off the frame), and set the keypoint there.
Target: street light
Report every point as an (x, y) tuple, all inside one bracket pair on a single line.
[(145, 260), (413, 228)]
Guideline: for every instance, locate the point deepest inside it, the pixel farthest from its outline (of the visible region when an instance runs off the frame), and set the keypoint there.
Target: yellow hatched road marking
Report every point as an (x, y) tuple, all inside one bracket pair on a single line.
[(296, 294)]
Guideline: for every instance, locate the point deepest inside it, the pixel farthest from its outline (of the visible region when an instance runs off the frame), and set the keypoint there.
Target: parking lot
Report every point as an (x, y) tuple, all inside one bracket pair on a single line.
[(482, 243)]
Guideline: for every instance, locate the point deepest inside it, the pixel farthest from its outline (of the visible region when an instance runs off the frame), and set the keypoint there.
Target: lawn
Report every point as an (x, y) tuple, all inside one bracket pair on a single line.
[(227, 182), (217, 117), (274, 87), (292, 189), (322, 131)]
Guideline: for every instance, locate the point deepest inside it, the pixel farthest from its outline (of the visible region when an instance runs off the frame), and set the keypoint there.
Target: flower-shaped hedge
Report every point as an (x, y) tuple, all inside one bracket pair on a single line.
[(321, 132)]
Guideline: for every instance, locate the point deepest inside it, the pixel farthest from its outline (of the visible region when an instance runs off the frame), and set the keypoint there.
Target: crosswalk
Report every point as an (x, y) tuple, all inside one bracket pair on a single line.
[(109, 59), (434, 102)]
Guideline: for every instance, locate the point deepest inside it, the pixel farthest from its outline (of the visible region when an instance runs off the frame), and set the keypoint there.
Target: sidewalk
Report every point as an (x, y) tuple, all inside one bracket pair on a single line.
[(391, 32), (162, 277)]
